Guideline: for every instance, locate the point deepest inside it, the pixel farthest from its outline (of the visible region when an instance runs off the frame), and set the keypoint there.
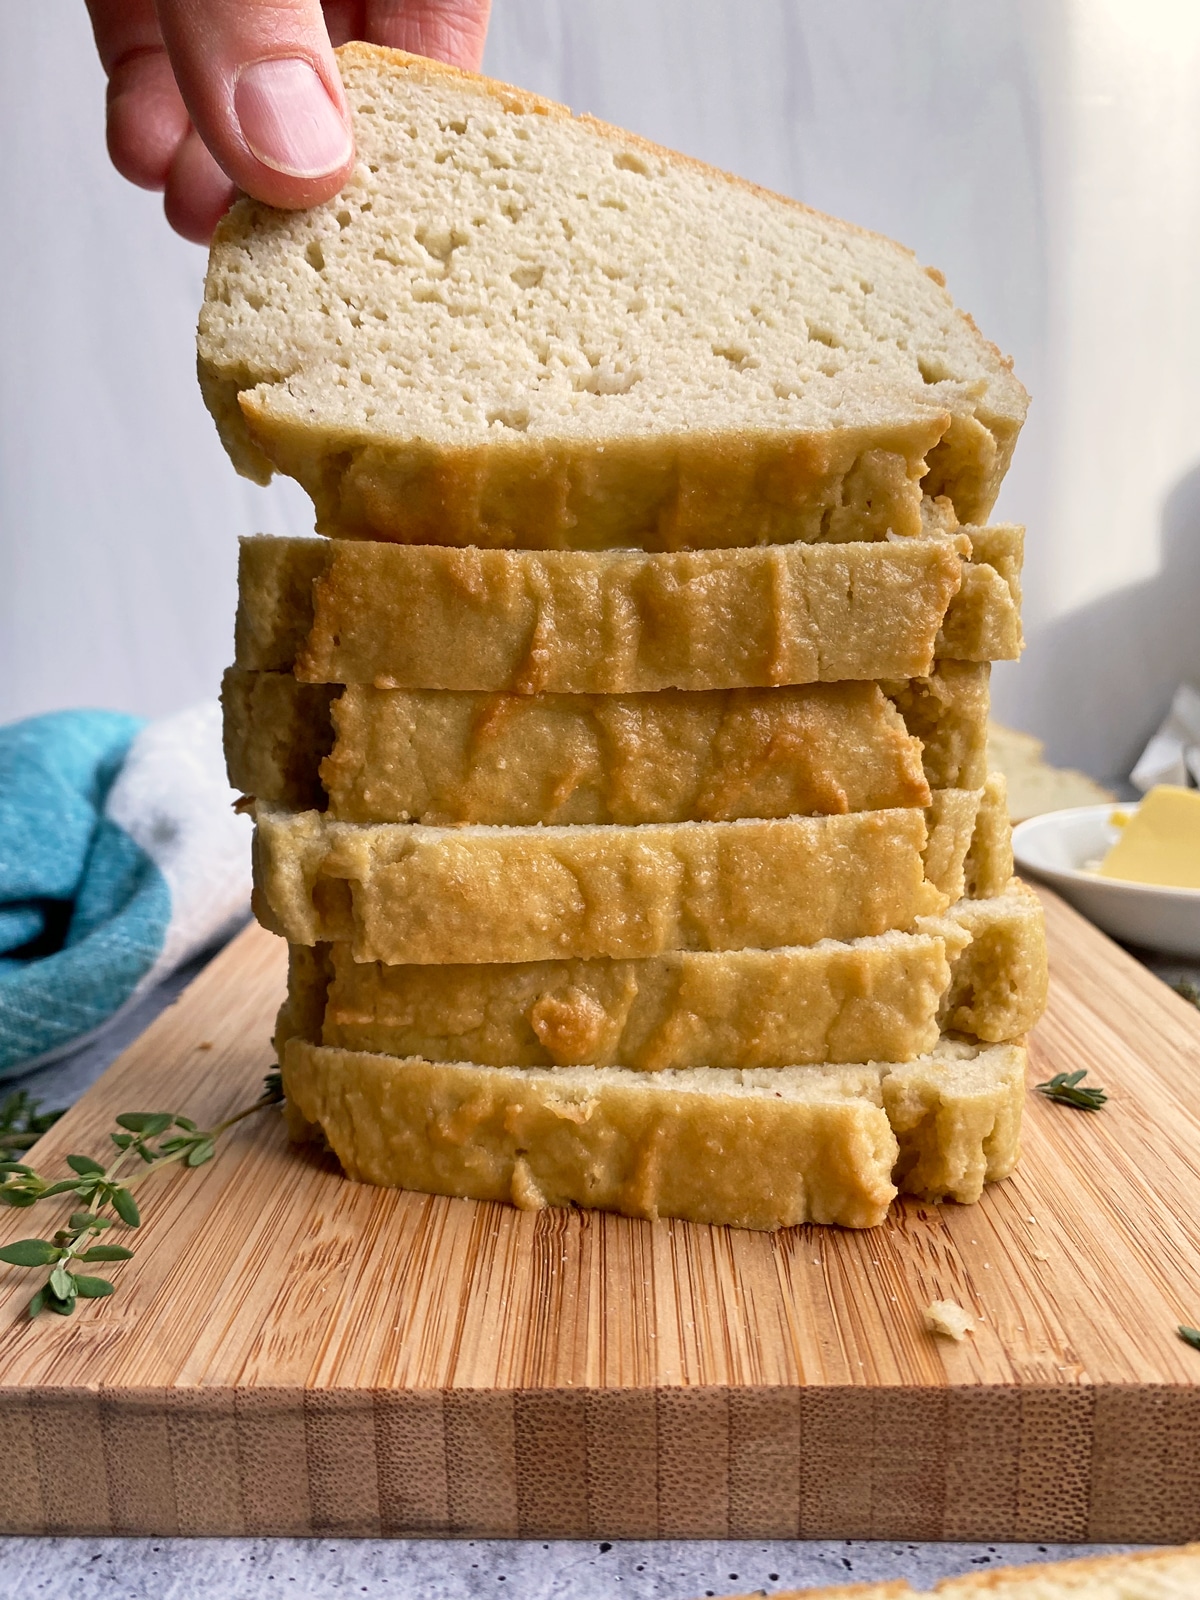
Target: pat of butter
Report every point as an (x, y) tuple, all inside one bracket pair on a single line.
[(1160, 843)]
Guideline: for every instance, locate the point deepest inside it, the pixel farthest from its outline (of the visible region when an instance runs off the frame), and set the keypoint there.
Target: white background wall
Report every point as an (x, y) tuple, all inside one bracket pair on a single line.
[(1044, 153)]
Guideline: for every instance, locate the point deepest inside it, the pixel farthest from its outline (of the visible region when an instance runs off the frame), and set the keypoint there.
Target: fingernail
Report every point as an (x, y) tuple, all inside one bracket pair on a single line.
[(288, 119)]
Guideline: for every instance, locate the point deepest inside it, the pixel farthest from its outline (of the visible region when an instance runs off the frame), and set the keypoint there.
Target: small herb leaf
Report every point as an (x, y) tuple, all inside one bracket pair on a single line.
[(29, 1253), (107, 1252), (1065, 1088), (62, 1283), (126, 1208), (92, 1288), (147, 1123), (1189, 1335), (85, 1166)]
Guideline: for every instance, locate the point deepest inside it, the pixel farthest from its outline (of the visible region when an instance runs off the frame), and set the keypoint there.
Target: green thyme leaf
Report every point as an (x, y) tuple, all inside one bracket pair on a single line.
[(148, 1123), (96, 1188), (1064, 1087), (1189, 1335), (68, 1186), (1188, 990), (62, 1283), (29, 1253), (85, 1166), (91, 1288)]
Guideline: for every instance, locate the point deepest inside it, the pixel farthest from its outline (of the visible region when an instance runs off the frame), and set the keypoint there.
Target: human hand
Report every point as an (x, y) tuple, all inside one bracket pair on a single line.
[(206, 97)]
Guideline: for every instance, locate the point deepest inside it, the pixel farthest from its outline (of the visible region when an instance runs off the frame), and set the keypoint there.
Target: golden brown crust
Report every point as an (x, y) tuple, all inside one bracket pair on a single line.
[(870, 1000), (423, 617), (754, 1150), (406, 893), (447, 756), (757, 1149)]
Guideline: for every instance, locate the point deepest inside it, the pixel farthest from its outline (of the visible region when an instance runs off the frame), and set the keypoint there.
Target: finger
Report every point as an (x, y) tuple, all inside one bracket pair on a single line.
[(198, 194), (261, 85), (447, 30), (147, 120)]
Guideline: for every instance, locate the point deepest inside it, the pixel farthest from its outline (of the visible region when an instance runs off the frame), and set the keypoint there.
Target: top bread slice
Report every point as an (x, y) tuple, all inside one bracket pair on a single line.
[(517, 327)]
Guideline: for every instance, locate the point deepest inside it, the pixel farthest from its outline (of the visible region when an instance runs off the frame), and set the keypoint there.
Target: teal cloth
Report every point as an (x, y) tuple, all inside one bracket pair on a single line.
[(83, 910)]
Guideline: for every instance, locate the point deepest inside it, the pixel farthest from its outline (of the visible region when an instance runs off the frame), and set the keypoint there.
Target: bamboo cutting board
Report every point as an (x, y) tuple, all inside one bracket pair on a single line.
[(289, 1353)]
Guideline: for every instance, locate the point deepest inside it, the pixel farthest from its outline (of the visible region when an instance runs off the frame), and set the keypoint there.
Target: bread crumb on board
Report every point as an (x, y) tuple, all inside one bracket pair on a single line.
[(948, 1317)]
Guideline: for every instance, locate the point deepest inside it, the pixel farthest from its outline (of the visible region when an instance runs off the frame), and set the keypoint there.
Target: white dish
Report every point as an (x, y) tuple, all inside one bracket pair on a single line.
[(1060, 846)]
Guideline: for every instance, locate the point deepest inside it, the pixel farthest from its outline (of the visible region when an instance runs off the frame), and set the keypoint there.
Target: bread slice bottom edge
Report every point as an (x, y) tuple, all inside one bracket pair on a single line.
[(761, 1149)]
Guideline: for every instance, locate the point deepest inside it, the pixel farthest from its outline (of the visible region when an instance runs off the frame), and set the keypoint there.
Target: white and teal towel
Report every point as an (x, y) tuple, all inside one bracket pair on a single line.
[(120, 857)]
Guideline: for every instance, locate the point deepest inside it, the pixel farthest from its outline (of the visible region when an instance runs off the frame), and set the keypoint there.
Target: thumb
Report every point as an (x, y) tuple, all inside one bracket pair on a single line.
[(261, 85)]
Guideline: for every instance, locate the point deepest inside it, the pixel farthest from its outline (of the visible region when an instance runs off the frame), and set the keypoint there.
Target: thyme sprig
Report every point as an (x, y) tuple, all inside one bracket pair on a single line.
[(157, 1139), (1064, 1088)]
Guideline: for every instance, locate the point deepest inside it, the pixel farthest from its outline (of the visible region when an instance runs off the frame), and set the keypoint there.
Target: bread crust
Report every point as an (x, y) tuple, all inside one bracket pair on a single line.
[(759, 1150), (450, 756), (401, 892), (528, 622)]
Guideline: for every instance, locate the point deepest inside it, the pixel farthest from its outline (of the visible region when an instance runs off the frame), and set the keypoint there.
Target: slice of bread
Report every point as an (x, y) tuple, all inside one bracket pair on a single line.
[(572, 622), (444, 756), (516, 326), (755, 1149), (1141, 1575), (870, 999), (1034, 786), (402, 892), (981, 968)]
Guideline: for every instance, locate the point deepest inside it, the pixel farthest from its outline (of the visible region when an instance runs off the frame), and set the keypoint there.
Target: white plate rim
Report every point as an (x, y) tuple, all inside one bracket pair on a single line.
[(1119, 886)]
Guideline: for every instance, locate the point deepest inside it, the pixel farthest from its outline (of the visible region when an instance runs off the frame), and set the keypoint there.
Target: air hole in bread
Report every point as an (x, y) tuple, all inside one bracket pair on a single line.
[(735, 355), (516, 418)]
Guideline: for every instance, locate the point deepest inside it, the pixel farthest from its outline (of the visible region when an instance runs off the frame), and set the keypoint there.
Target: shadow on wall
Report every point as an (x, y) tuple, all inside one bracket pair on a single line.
[(1104, 674)]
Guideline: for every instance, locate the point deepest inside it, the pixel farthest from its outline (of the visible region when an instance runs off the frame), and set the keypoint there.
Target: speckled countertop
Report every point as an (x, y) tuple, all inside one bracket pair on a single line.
[(266, 1569)]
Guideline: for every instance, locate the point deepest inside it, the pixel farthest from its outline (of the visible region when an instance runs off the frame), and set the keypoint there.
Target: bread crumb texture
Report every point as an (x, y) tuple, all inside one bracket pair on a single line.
[(515, 326)]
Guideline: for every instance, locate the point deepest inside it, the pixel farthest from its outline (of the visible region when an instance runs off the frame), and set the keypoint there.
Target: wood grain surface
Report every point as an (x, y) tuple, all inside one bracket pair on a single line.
[(290, 1353)]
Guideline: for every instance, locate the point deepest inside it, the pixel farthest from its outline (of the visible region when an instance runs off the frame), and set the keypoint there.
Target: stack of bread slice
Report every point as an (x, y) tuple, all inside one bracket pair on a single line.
[(619, 754)]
